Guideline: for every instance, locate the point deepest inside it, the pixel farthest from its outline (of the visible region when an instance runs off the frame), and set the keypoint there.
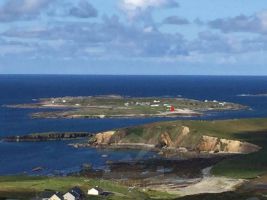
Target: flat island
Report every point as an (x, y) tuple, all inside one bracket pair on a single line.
[(112, 106)]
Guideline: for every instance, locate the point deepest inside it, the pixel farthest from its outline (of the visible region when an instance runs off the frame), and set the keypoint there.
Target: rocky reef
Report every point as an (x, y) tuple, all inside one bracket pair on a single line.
[(39, 137)]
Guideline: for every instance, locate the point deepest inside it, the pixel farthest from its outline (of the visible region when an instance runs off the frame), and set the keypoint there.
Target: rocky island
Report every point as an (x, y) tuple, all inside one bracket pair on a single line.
[(113, 106)]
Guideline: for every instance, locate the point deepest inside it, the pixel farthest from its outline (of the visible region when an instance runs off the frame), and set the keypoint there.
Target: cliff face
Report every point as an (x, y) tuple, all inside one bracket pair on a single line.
[(182, 138), (104, 138), (214, 144)]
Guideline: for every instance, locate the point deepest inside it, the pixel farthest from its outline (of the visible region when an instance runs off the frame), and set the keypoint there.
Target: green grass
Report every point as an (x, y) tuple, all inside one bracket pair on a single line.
[(242, 166), (223, 196), (111, 107), (25, 187)]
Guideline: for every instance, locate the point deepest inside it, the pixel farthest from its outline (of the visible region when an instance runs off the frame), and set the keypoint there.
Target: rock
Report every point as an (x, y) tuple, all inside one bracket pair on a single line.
[(165, 140), (184, 133), (216, 145), (36, 169), (208, 144), (103, 138)]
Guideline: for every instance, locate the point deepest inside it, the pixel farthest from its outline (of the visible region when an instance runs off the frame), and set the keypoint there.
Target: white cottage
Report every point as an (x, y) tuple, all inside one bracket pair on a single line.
[(56, 196), (69, 196), (95, 191), (74, 194)]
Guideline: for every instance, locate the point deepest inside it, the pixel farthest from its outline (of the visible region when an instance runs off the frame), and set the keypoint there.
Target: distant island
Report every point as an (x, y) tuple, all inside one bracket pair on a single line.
[(253, 95), (113, 106)]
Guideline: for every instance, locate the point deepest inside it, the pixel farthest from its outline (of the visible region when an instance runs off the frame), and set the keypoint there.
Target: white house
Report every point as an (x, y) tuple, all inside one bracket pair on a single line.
[(95, 191), (56, 196), (74, 194), (69, 196)]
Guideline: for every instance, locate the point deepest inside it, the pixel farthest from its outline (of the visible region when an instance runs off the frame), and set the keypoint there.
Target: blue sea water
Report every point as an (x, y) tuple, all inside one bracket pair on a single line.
[(58, 156)]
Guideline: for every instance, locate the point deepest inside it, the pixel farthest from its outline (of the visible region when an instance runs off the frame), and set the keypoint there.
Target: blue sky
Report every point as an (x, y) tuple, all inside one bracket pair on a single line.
[(189, 37)]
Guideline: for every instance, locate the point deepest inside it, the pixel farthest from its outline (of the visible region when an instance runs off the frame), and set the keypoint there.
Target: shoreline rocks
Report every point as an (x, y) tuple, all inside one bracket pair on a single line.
[(41, 137)]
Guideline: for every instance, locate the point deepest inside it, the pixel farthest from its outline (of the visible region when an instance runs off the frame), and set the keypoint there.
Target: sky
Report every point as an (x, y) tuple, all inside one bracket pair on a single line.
[(135, 37)]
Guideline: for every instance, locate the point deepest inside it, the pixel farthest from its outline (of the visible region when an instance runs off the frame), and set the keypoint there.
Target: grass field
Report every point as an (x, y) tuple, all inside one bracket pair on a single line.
[(116, 106), (25, 187)]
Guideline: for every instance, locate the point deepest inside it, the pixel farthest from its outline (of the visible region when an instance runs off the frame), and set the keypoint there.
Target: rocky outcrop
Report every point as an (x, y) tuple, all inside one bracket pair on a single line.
[(214, 144), (176, 139), (103, 138)]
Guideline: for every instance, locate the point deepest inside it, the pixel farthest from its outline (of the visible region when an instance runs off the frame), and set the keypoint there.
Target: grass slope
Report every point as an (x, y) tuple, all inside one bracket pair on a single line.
[(241, 166), (24, 187)]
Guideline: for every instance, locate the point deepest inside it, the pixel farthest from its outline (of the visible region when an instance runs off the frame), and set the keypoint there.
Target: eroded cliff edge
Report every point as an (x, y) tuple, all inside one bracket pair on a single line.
[(176, 137)]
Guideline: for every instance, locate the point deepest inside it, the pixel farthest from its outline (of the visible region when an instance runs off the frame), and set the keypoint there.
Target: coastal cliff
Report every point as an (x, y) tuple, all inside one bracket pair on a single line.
[(176, 137)]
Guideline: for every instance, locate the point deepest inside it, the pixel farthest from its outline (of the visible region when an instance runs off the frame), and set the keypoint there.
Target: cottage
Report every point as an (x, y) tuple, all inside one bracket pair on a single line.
[(74, 194), (56, 196), (95, 191)]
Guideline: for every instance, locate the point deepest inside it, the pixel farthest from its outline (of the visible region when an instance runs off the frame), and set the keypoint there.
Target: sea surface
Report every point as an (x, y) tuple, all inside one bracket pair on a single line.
[(59, 158)]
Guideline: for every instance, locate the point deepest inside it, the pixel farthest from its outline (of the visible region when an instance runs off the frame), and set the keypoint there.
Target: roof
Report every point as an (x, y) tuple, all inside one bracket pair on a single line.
[(77, 192), (47, 194), (59, 195), (100, 190)]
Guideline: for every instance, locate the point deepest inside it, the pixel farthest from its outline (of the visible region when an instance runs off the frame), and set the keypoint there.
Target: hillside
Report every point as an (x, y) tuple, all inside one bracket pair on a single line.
[(245, 136)]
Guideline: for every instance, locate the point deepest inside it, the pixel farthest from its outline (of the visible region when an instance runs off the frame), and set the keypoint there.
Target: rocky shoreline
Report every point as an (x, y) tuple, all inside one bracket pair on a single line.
[(166, 143), (41, 137)]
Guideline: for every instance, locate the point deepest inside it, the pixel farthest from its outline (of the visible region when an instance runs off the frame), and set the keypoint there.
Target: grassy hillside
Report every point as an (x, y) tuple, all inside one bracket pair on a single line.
[(249, 130), (24, 187)]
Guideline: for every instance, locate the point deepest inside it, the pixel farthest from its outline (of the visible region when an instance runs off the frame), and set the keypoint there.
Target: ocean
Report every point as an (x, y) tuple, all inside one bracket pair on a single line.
[(59, 158)]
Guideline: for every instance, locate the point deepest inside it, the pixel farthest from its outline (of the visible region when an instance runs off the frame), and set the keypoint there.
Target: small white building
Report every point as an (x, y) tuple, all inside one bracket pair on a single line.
[(154, 105), (56, 196), (95, 191), (74, 194), (156, 101), (69, 196)]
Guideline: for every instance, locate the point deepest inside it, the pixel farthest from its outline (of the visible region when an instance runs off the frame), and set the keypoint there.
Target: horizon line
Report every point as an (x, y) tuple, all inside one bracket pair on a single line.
[(240, 75)]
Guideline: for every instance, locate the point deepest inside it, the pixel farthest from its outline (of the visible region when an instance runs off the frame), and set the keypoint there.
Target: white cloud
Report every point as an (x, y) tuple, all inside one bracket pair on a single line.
[(13, 10), (133, 8), (263, 19)]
